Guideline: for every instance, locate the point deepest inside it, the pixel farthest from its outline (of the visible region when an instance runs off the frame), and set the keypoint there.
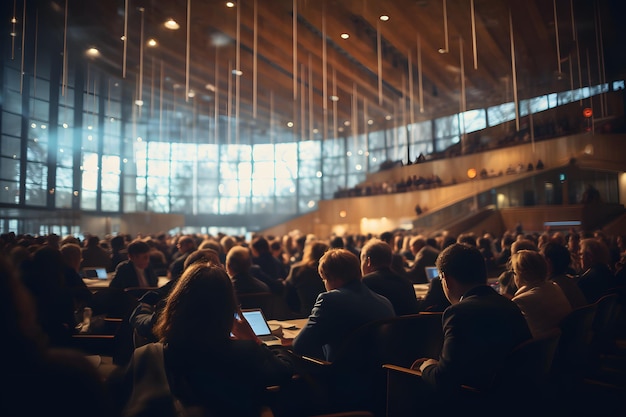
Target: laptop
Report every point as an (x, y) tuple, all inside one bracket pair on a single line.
[(94, 273), (431, 272), (260, 327)]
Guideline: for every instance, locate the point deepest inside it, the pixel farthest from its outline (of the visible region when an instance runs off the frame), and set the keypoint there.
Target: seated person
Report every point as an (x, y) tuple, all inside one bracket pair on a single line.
[(136, 271), (597, 279), (480, 327), (346, 305), (145, 315), (435, 299), (376, 258), (558, 259), (541, 301), (424, 255), (197, 363), (304, 283), (238, 264)]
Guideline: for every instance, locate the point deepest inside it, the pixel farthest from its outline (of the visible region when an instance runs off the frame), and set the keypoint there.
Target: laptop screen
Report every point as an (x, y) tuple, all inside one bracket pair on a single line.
[(94, 273), (431, 272), (257, 322)]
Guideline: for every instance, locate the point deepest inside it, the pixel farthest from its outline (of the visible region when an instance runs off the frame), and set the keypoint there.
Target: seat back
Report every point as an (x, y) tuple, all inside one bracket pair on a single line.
[(262, 300), (604, 323), (573, 352), (404, 339)]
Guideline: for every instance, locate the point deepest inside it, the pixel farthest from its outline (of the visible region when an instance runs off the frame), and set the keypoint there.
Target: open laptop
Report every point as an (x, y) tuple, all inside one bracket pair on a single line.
[(260, 327), (431, 272), (94, 273)]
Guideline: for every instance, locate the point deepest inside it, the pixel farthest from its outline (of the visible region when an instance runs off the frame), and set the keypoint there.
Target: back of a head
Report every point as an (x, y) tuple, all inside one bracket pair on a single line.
[(117, 243), (202, 299), (559, 257), (314, 251), (137, 247), (464, 263), (93, 241), (71, 254), (596, 250), (336, 242), (523, 244), (227, 243), (467, 238), (387, 237), (202, 255), (261, 245), (417, 242), (529, 266), (378, 252), (238, 260), (340, 265)]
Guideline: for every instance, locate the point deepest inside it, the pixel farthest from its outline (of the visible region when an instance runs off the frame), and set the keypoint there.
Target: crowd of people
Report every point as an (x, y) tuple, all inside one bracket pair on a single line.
[(193, 340)]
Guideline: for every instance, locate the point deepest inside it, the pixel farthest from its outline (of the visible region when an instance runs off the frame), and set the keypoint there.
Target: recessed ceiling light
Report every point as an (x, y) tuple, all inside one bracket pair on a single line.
[(93, 52), (384, 18), (152, 42), (230, 4), (345, 36), (171, 24)]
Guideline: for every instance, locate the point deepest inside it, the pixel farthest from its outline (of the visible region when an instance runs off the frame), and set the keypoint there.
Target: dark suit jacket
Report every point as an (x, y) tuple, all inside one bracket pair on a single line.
[(302, 286), (126, 276), (247, 284), (427, 256), (178, 266), (596, 282), (479, 332), (335, 315), (398, 290)]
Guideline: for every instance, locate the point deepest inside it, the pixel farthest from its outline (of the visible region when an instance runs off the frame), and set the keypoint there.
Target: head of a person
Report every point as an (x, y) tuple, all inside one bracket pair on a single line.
[(117, 243), (238, 261), (387, 237), (313, 253), (558, 258), (336, 242), (93, 241), (593, 252), (417, 243), (461, 268), (200, 309), (339, 267), (202, 255), (227, 243), (139, 253), (72, 255), (186, 244), (260, 245), (375, 255), (530, 268)]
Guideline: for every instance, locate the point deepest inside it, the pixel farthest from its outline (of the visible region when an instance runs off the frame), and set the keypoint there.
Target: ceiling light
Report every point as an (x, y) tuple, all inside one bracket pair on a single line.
[(93, 52), (340, 129), (65, 125), (442, 51), (191, 94), (171, 24), (122, 38), (316, 131), (388, 117), (334, 98), (230, 4), (13, 20), (139, 103), (210, 87), (370, 122), (152, 42), (345, 36), (346, 123), (289, 124), (237, 72), (384, 18)]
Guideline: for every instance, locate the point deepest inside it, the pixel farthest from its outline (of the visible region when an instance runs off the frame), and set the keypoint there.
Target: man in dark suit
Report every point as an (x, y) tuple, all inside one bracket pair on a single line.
[(424, 256), (480, 327), (377, 275), (136, 271), (186, 245), (238, 264), (347, 305)]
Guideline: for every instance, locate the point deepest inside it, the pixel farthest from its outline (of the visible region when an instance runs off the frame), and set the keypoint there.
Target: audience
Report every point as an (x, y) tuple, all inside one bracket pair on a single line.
[(597, 278), (376, 258), (346, 305), (304, 283), (185, 246), (541, 301), (480, 327), (424, 255), (196, 364), (136, 271), (94, 255), (238, 264), (558, 260)]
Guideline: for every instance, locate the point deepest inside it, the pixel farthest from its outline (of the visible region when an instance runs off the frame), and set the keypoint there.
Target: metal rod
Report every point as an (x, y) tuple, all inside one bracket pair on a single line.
[(295, 49), (514, 72), (380, 64), (474, 45), (556, 31), (188, 50), (419, 73)]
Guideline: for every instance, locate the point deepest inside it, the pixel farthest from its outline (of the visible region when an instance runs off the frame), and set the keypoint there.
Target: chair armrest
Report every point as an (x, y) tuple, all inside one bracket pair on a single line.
[(401, 369), (315, 361)]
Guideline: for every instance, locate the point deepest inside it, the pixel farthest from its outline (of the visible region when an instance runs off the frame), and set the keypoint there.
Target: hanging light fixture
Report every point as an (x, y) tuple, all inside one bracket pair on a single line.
[(446, 48)]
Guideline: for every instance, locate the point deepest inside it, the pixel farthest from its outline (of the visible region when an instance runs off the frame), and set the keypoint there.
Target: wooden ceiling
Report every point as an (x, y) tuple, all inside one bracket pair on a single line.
[(390, 84)]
